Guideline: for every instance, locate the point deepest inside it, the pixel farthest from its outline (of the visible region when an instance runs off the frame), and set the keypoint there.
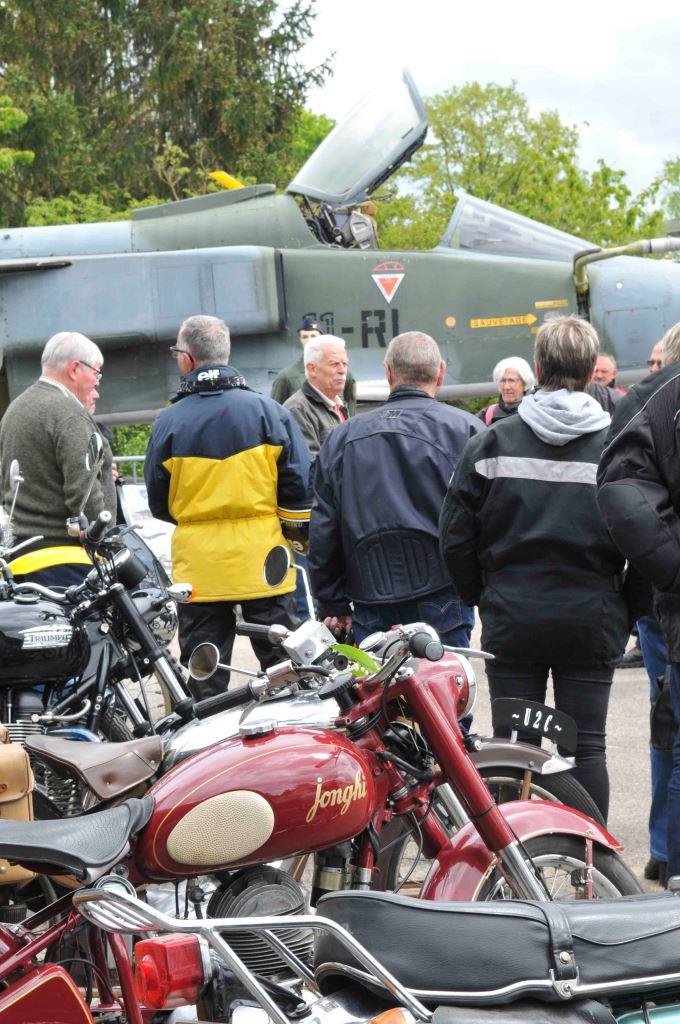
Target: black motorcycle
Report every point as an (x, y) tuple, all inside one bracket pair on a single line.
[(71, 660)]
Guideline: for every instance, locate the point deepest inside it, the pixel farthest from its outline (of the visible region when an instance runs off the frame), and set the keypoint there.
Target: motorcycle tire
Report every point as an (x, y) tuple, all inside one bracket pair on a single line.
[(561, 788), (395, 862), (113, 725), (560, 860)]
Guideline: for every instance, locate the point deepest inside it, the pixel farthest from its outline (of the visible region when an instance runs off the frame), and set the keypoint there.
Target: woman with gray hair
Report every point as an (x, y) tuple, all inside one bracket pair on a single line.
[(515, 379)]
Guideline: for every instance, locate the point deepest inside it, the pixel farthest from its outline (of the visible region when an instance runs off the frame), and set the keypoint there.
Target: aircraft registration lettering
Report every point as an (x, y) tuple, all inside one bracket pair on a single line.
[(551, 304), (374, 323), (504, 321)]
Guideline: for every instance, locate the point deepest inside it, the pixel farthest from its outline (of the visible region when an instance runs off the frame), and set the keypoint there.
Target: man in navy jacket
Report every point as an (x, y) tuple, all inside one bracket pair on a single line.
[(379, 485)]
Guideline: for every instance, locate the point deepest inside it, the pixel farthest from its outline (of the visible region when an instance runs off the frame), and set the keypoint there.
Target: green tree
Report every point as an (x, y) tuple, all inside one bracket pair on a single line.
[(669, 186), (308, 132), (131, 98), (11, 121), (131, 440), (484, 140)]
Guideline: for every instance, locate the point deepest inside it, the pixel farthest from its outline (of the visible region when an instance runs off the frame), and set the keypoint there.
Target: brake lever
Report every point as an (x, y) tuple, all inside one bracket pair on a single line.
[(470, 652)]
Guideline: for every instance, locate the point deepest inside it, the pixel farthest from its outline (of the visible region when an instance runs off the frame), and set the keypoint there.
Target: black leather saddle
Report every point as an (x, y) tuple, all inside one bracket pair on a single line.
[(75, 846), (476, 953)]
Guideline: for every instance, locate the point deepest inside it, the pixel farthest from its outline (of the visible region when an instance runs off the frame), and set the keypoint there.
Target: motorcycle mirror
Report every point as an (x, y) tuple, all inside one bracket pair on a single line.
[(15, 477), (276, 565), (204, 661), (15, 480), (94, 453), (94, 456)]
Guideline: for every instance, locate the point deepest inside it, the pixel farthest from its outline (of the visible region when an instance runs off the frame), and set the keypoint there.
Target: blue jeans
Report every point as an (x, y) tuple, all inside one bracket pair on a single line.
[(655, 656), (300, 593), (443, 610)]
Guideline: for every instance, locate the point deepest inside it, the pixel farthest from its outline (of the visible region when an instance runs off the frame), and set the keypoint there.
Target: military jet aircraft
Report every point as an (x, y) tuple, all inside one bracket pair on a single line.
[(262, 260)]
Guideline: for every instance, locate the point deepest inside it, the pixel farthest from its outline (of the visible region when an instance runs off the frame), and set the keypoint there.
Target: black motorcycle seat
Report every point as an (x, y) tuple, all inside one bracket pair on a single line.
[(75, 846), (526, 1011), (109, 769), (476, 953)]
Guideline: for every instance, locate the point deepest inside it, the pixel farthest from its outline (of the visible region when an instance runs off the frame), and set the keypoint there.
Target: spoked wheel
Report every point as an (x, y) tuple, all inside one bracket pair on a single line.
[(562, 788), (402, 868), (561, 862)]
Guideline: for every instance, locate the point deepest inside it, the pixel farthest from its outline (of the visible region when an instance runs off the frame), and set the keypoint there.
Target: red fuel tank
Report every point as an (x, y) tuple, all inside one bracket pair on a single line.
[(252, 800)]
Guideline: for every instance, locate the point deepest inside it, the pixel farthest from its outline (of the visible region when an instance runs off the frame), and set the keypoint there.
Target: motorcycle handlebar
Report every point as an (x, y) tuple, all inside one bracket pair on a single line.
[(98, 527), (37, 588), (421, 645), (254, 630), (222, 701)]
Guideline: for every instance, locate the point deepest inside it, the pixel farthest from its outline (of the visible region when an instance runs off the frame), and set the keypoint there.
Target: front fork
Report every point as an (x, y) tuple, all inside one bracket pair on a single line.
[(518, 871)]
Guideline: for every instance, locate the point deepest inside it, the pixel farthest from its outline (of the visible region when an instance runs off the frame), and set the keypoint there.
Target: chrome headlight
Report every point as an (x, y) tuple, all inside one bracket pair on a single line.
[(161, 621), (164, 624)]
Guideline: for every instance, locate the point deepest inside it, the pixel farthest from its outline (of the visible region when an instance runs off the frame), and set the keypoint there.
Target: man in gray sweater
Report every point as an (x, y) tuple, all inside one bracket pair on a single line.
[(48, 428)]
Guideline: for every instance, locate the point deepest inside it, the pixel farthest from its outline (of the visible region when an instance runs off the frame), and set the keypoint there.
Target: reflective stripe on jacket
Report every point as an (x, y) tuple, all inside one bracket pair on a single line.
[(522, 537)]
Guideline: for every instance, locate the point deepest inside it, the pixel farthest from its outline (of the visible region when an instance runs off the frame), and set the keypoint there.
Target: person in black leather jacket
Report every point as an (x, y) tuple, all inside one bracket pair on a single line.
[(522, 537), (379, 484), (639, 496)]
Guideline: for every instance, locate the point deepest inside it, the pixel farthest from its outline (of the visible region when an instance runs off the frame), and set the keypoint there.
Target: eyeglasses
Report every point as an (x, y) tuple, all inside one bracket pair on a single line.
[(97, 373), (177, 352), (510, 380), (651, 363)]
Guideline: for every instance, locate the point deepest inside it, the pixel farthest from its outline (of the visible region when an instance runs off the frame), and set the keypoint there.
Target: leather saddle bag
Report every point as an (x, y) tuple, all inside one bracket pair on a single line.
[(16, 798)]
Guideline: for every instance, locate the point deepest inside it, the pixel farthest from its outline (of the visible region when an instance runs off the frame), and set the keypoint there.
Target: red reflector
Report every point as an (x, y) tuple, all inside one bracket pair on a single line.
[(169, 971)]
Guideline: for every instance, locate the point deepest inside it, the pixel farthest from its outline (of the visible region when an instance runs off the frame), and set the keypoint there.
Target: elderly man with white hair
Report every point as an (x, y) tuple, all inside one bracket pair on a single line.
[(318, 406), (48, 428)]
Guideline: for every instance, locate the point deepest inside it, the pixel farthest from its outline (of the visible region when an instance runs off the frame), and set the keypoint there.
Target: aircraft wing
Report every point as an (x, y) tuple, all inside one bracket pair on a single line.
[(31, 266)]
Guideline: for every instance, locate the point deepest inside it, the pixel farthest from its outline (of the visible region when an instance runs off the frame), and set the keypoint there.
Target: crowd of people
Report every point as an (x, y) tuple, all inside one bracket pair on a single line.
[(555, 511)]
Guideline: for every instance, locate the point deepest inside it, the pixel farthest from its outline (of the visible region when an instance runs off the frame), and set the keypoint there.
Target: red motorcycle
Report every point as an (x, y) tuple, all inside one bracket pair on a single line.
[(275, 792)]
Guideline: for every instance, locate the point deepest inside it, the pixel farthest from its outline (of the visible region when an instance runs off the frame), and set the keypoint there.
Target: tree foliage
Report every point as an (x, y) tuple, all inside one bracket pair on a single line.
[(484, 140), (131, 98), (669, 185), (131, 440), (11, 120)]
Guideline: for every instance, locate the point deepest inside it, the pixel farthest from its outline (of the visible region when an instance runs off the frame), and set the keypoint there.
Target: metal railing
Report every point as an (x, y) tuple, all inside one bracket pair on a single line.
[(136, 460)]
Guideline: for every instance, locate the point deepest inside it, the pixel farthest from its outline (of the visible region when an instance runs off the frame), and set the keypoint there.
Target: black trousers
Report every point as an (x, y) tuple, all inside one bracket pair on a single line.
[(215, 622), (582, 693)]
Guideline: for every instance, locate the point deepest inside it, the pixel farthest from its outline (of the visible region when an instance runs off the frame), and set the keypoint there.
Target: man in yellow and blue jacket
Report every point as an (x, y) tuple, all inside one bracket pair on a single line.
[(228, 466)]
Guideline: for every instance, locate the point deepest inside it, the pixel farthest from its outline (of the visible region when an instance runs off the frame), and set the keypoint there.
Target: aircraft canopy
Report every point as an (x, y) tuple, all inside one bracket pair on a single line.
[(366, 147), (482, 227)]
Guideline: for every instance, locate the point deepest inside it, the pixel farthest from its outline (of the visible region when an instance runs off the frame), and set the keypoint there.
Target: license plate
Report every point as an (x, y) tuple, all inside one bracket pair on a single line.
[(526, 716)]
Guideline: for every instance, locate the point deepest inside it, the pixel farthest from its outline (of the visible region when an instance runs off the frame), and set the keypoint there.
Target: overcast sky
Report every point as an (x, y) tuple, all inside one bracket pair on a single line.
[(611, 68)]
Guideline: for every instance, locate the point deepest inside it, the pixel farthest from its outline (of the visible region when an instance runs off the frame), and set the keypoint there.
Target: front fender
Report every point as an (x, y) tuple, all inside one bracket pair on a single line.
[(463, 865)]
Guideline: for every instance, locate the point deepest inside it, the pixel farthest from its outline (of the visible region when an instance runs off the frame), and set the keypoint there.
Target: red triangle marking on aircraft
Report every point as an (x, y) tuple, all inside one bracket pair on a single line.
[(388, 284)]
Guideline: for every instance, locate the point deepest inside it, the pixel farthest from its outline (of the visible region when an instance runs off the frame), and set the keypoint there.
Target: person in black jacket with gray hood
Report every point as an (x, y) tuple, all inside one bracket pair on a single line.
[(522, 537), (639, 496)]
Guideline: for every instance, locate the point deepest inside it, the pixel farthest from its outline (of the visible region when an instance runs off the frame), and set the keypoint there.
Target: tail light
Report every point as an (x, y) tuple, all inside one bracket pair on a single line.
[(397, 1015), (171, 970)]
